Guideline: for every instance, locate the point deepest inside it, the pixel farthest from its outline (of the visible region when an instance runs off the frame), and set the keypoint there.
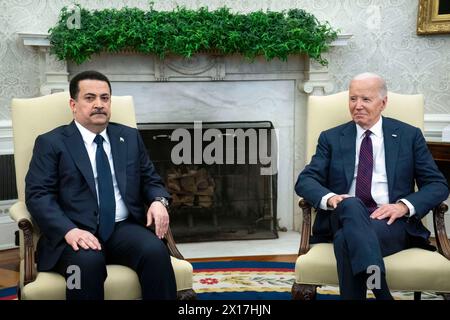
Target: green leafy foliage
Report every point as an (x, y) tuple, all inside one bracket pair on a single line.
[(185, 32)]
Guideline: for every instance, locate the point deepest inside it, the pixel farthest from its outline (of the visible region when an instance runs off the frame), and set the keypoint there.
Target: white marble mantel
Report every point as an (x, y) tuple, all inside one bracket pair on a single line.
[(55, 73), (211, 87)]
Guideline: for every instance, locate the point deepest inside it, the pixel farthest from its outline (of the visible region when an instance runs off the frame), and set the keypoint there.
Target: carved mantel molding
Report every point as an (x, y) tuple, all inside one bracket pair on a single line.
[(317, 77), (203, 67)]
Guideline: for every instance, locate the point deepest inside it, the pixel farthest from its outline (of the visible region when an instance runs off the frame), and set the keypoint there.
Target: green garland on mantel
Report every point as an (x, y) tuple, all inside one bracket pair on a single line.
[(186, 32)]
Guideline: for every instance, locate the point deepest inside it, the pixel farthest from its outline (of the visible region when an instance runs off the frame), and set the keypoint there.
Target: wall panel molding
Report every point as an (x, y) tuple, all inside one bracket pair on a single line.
[(6, 137)]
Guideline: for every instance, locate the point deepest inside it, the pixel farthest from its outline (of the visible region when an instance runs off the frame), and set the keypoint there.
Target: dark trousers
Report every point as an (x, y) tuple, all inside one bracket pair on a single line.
[(131, 245), (361, 242)]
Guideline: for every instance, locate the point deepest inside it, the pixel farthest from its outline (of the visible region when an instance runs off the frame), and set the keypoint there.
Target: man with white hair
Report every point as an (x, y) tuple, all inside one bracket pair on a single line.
[(362, 181)]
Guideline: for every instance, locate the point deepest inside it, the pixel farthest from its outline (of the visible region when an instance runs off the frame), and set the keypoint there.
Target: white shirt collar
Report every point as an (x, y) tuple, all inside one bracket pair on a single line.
[(89, 136), (377, 129)]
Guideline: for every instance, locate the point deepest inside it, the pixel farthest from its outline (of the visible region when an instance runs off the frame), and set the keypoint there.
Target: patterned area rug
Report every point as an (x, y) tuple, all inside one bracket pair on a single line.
[(254, 280), (8, 293), (243, 280)]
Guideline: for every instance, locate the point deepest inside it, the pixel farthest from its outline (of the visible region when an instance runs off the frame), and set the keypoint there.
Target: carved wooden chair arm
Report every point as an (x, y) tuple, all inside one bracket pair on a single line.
[(170, 242), (442, 242), (20, 214), (28, 250), (306, 226)]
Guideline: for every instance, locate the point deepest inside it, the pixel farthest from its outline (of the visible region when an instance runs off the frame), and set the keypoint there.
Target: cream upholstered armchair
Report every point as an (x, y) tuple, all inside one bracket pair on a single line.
[(31, 117), (413, 269)]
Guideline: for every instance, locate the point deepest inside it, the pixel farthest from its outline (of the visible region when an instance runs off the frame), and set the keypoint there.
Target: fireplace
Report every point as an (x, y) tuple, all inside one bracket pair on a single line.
[(211, 88), (221, 176)]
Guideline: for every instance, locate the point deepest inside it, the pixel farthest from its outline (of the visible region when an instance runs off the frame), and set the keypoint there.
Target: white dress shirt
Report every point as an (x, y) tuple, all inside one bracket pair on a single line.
[(379, 189), (91, 148)]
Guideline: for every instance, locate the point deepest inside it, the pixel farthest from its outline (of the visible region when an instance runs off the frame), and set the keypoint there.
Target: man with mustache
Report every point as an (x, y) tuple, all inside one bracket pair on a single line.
[(93, 192), (362, 181)]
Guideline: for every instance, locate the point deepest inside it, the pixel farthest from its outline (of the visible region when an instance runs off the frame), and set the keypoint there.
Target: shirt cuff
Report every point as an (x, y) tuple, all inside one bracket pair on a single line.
[(412, 210), (323, 202)]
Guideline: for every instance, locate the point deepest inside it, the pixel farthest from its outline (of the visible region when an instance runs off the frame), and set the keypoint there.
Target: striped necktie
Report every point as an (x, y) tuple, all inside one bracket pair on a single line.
[(365, 170)]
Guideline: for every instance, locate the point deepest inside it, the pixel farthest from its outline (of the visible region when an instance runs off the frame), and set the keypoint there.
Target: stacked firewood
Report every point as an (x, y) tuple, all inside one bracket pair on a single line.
[(191, 186)]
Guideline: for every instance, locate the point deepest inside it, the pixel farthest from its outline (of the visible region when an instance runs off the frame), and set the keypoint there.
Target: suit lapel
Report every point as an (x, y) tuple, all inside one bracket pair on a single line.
[(75, 144), (119, 154), (348, 150), (391, 149)]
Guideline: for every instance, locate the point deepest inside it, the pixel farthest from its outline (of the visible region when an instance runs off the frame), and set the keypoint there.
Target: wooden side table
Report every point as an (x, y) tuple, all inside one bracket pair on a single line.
[(441, 154)]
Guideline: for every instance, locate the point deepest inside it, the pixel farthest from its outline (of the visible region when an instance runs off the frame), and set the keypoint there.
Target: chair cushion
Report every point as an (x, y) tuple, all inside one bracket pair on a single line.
[(122, 283), (408, 270), (183, 273)]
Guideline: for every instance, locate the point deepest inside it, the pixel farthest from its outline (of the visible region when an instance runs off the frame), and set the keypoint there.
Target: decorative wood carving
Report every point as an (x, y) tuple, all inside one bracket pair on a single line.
[(172, 245), (27, 228), (306, 226), (442, 241), (303, 291), (201, 66), (187, 294)]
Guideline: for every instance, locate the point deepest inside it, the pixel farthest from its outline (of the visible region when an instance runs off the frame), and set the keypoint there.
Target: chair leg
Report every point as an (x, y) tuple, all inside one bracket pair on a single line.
[(446, 296), (19, 292), (303, 291), (187, 294), (417, 295)]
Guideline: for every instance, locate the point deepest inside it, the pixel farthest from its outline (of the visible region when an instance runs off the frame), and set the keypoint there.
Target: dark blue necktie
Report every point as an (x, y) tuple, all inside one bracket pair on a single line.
[(365, 169), (107, 203)]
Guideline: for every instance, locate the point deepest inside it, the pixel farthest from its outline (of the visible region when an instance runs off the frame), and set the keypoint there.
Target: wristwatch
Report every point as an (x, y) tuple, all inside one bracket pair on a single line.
[(163, 200)]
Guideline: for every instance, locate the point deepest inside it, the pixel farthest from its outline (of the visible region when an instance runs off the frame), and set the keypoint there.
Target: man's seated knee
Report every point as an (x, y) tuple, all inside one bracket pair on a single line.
[(89, 259), (154, 251), (350, 203), (352, 208)]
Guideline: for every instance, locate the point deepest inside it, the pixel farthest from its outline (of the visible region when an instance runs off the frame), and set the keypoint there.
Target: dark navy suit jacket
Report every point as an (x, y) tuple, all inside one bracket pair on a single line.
[(408, 161), (60, 188)]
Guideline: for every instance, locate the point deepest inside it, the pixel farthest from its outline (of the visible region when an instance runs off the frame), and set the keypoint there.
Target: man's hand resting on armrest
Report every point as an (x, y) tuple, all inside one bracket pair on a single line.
[(335, 200)]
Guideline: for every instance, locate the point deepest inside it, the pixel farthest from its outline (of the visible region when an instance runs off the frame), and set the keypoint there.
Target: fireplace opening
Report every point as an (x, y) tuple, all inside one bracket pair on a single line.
[(221, 177)]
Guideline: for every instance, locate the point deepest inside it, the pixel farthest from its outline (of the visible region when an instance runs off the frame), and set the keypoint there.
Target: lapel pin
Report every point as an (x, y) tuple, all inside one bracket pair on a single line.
[(394, 135), (122, 139)]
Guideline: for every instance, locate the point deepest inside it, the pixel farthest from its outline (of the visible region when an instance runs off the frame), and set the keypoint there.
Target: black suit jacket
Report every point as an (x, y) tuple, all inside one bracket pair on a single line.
[(60, 189), (408, 161)]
